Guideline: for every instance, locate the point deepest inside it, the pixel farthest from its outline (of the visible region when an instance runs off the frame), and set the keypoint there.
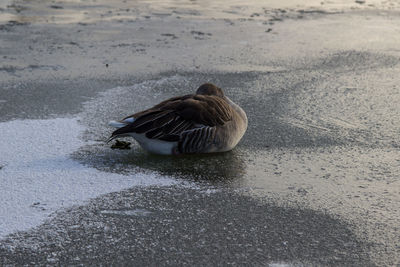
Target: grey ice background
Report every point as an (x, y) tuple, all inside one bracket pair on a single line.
[(315, 181)]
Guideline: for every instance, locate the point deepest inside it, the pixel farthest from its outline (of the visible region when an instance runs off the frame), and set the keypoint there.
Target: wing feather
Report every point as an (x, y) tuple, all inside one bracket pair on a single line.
[(196, 140), (189, 119)]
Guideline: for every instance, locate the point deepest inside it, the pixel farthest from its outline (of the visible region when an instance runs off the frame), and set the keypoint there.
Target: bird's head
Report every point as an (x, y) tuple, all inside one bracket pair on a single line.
[(210, 89)]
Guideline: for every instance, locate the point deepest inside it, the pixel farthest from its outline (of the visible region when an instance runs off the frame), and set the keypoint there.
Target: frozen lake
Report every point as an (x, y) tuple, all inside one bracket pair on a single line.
[(315, 180)]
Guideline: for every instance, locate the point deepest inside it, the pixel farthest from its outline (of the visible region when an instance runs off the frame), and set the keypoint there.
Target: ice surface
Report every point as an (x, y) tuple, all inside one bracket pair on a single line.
[(280, 265), (38, 177), (136, 212)]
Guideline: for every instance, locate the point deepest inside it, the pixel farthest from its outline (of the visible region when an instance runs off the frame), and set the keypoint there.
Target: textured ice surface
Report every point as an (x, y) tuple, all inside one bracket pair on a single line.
[(38, 177), (135, 212)]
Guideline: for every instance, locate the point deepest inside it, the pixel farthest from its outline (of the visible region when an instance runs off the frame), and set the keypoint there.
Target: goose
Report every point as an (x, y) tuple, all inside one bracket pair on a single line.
[(204, 122)]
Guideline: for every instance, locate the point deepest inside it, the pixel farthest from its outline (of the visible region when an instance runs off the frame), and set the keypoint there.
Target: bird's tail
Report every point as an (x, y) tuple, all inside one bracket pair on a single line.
[(118, 125), (123, 123)]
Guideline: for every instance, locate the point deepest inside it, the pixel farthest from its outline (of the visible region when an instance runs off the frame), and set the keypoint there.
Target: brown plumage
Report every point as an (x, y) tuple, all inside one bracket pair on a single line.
[(191, 121)]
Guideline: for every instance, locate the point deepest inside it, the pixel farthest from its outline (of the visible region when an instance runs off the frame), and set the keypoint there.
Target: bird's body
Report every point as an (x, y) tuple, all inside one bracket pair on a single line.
[(204, 122)]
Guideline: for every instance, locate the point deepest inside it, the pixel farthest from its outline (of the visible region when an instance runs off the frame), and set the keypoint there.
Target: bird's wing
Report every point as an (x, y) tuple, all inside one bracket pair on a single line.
[(171, 118), (196, 140)]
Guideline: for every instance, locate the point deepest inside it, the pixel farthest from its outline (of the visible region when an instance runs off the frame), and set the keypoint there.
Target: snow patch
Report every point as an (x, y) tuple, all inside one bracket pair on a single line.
[(38, 176)]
